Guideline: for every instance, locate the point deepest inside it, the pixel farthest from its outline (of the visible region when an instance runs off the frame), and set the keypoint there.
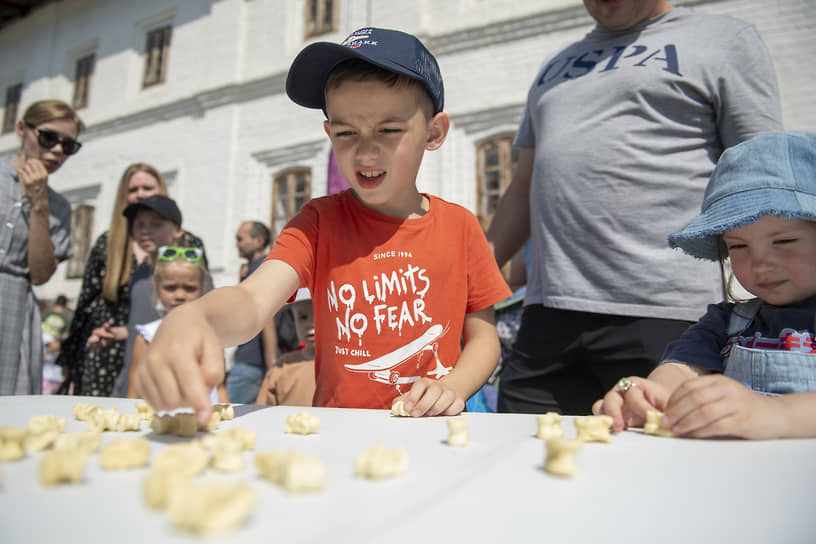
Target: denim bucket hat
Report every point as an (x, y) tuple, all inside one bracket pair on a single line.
[(771, 174), (389, 49)]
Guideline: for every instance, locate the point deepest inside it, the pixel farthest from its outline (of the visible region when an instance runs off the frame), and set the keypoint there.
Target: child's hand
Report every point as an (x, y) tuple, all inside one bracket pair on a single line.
[(432, 398), (182, 364), (628, 408), (714, 405)]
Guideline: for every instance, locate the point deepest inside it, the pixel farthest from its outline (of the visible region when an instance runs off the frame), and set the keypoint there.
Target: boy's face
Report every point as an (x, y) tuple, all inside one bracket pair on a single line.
[(151, 231), (304, 322), (775, 258), (379, 134)]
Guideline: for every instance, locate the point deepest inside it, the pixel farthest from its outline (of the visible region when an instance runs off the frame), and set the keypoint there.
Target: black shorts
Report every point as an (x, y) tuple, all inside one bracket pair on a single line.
[(563, 361)]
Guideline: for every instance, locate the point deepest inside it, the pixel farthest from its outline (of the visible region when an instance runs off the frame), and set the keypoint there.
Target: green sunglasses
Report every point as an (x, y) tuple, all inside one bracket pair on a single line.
[(189, 254)]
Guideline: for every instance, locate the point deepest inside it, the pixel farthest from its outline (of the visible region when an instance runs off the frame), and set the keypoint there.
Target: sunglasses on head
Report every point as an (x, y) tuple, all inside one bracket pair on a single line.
[(189, 254), (48, 139)]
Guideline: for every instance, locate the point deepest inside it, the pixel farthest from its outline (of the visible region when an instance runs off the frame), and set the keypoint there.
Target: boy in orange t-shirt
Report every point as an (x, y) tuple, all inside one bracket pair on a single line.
[(403, 283)]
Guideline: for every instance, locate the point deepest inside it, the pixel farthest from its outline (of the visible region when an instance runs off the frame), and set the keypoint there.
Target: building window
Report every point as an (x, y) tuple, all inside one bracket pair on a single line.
[(82, 81), (81, 228), (157, 52), (12, 105), (496, 162), (320, 17), (290, 192)]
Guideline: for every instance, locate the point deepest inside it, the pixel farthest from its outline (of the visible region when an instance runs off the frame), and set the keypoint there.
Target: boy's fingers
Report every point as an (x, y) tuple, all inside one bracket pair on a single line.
[(414, 394), (197, 379)]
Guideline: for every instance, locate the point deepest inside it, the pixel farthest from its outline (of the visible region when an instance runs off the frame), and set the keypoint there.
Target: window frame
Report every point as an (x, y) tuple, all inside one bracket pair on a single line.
[(156, 55), (319, 23), (83, 77), (82, 220), (11, 107), (289, 179), (507, 162)]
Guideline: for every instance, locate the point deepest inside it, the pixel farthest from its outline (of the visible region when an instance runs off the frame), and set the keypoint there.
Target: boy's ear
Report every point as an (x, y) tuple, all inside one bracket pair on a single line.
[(437, 131), (177, 235), (326, 128)]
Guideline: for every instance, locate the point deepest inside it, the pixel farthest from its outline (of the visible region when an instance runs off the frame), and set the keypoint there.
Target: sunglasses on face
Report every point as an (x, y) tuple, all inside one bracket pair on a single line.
[(189, 254), (48, 139)]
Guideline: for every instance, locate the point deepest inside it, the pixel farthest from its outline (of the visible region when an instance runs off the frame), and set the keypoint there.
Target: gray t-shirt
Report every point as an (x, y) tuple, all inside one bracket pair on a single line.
[(627, 127)]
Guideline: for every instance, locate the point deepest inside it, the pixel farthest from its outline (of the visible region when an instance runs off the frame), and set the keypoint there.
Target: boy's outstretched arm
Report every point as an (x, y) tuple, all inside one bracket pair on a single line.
[(479, 357), (185, 359)]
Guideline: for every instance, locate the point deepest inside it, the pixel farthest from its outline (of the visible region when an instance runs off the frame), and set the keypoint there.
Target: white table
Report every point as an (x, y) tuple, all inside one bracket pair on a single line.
[(639, 488)]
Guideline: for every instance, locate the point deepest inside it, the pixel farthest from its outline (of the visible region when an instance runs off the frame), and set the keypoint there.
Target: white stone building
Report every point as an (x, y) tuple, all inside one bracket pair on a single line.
[(216, 120)]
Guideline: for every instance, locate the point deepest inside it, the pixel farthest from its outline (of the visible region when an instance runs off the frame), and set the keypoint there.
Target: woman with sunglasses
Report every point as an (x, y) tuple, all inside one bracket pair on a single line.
[(103, 305), (35, 229)]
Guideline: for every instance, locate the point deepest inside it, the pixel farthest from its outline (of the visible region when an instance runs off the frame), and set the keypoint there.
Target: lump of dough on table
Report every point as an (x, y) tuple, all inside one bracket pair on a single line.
[(130, 422), (302, 423), (40, 441), (212, 424), (654, 424), (226, 455), (246, 438), (302, 474), (145, 411), (160, 485), (48, 422), (165, 424), (272, 464), (11, 450), (103, 420), (62, 466), (225, 411), (549, 426), (83, 410), (457, 431), (211, 506), (124, 454), (84, 441), (593, 428), (561, 456), (186, 457), (380, 462)]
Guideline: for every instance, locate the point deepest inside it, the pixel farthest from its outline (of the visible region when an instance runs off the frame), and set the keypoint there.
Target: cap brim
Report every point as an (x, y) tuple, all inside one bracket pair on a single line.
[(699, 239)]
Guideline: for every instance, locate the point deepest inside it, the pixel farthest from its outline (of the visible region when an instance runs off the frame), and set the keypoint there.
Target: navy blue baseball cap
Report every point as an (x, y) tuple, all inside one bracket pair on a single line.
[(162, 205), (389, 49)]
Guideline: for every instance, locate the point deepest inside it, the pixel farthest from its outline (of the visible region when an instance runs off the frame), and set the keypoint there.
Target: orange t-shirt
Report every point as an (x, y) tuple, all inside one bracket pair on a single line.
[(390, 295)]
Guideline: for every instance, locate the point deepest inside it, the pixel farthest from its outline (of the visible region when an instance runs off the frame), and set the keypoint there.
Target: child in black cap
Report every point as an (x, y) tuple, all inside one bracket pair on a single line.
[(403, 283)]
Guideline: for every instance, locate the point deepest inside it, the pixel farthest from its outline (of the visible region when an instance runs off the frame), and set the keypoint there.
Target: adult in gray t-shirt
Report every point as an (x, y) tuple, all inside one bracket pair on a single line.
[(620, 134)]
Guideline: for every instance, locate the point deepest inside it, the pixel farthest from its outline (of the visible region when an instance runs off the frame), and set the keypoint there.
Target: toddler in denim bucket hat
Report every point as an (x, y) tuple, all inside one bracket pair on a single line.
[(745, 369)]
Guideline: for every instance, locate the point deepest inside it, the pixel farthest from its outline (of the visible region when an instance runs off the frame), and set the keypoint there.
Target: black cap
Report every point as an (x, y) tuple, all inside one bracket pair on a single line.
[(162, 205), (389, 49)]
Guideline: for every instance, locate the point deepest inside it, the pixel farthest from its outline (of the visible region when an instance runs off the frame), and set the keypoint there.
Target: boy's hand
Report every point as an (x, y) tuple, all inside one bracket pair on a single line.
[(715, 405), (182, 364), (430, 397), (628, 409)]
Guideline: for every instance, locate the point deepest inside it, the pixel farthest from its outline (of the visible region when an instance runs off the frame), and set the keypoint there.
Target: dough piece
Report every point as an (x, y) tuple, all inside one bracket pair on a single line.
[(103, 420), (130, 422), (41, 441), (549, 426), (457, 431), (145, 411), (398, 408), (226, 455), (86, 442), (593, 428), (212, 424), (122, 454), (62, 466), (84, 410), (561, 456), (210, 507), (303, 423), (272, 465), (304, 474), (380, 462), (165, 424), (184, 457), (161, 484), (11, 450), (654, 425), (13, 433), (186, 425), (225, 411), (246, 438), (48, 422)]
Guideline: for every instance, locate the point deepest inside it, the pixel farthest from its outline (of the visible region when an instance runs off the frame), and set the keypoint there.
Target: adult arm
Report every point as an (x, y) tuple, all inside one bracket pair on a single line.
[(510, 227), (269, 343), (42, 262)]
